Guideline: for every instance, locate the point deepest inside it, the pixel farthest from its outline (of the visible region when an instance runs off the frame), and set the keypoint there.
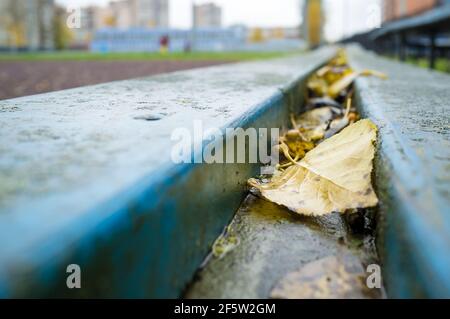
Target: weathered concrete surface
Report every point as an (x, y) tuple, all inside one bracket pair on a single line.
[(274, 242), (412, 110), (85, 179), (56, 142)]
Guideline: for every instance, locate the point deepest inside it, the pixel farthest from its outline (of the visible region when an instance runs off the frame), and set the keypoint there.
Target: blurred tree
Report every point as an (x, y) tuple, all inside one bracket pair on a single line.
[(256, 35), (44, 16), (14, 24), (313, 22), (28, 23), (61, 33)]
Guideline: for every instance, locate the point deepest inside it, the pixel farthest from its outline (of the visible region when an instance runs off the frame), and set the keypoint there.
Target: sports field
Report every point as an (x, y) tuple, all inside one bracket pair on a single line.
[(24, 74)]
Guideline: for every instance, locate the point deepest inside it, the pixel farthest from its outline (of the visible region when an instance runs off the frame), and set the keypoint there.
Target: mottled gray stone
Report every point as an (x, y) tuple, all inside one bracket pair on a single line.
[(416, 102), (412, 173)]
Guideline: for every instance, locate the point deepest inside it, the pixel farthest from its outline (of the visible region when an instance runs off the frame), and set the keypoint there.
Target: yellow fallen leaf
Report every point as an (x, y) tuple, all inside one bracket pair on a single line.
[(318, 85), (336, 74), (334, 177), (324, 70), (337, 87), (378, 74)]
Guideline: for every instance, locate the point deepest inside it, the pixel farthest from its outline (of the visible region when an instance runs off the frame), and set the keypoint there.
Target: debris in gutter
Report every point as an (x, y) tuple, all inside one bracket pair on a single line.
[(326, 158)]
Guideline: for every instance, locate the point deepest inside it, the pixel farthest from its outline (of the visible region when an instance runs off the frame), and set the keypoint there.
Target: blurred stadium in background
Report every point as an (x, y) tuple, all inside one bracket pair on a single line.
[(131, 26)]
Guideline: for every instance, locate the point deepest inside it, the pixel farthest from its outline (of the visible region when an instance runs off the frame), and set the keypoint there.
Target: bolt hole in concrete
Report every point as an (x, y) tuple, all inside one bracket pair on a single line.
[(268, 251), (149, 117)]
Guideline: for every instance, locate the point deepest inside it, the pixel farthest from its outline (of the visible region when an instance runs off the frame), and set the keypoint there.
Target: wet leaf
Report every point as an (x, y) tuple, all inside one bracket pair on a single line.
[(334, 277), (318, 86), (225, 243), (317, 117), (336, 126), (374, 73), (321, 102), (338, 86), (344, 82), (313, 124), (333, 177)]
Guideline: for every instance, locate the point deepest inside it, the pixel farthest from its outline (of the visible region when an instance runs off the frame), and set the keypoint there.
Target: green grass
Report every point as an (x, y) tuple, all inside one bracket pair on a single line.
[(442, 65), (89, 56)]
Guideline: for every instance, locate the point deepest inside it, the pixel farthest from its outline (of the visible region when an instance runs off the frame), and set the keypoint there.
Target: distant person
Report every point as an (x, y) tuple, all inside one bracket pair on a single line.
[(164, 44)]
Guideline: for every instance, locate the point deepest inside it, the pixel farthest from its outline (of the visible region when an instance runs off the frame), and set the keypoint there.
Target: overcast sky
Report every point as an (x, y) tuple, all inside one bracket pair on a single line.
[(344, 17)]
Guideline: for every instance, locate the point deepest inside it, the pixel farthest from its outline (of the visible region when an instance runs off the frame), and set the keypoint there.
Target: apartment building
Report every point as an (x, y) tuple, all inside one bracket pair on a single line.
[(207, 15), (152, 13), (397, 9), (124, 13)]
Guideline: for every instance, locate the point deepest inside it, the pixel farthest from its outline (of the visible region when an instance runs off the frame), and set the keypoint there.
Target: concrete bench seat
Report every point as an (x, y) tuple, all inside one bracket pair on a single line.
[(86, 177), (412, 110)]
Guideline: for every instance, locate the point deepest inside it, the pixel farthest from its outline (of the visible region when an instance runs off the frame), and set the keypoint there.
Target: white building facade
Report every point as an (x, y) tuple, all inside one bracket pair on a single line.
[(152, 13), (207, 15)]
